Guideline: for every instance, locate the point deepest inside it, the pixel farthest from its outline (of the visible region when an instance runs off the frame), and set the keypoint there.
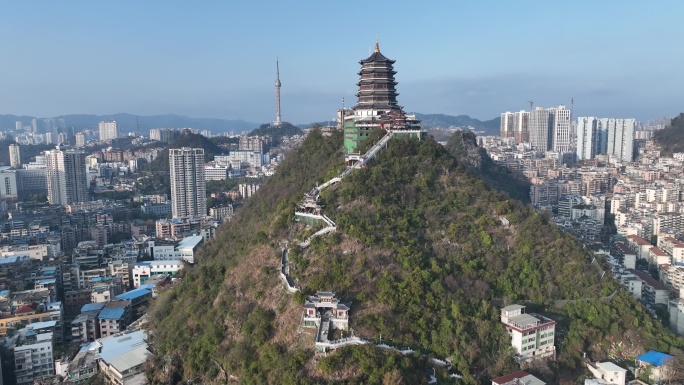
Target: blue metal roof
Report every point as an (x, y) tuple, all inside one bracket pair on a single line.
[(111, 313), (92, 306), (655, 358), (133, 294)]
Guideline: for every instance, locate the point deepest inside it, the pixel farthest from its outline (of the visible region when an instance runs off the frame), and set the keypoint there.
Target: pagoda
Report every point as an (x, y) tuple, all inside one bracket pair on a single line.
[(376, 106)]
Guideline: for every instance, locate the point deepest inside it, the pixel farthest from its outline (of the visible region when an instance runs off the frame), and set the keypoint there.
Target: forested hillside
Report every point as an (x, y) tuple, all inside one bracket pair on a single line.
[(422, 254), (671, 138), (187, 139)]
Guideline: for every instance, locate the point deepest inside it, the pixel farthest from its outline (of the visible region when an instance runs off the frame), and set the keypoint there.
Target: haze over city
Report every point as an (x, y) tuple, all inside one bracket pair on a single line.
[(218, 59)]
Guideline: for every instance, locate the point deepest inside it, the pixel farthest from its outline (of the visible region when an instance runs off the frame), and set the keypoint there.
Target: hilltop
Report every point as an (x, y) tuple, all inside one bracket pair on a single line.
[(276, 133), (423, 255), (489, 127), (186, 139), (671, 138)]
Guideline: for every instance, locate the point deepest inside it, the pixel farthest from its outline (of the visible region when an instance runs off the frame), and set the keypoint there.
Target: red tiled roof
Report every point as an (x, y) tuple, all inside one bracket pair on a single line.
[(622, 247), (665, 266), (658, 252), (510, 377), (25, 309), (638, 240), (650, 281)]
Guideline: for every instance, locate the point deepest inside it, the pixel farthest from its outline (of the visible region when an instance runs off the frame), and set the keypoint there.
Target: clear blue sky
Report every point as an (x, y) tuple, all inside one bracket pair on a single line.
[(217, 58)]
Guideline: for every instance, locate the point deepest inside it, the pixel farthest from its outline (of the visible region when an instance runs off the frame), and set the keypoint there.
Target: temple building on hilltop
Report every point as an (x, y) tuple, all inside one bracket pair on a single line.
[(325, 308), (376, 107)]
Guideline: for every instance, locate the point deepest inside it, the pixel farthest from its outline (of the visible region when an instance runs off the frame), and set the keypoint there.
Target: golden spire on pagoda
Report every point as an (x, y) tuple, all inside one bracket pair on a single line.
[(377, 44)]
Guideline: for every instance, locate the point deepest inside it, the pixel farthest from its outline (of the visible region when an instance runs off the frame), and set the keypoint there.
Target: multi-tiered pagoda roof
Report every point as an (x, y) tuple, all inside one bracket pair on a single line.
[(377, 86)]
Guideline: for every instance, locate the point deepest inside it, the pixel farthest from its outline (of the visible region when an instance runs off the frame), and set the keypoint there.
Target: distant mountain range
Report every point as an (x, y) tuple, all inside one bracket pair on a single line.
[(142, 124), (490, 127)]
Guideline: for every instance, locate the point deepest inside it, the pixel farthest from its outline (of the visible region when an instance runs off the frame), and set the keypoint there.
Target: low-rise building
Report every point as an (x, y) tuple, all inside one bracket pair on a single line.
[(658, 257), (158, 209), (653, 291), (639, 245), (608, 373), (532, 335), (33, 353), (85, 327), (187, 248), (144, 270), (627, 254), (222, 212), (139, 299), (658, 364), (677, 315), (114, 317), (122, 358), (520, 377)]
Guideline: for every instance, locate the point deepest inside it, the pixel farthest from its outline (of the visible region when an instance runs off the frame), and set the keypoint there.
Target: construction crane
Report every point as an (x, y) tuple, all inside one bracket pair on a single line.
[(531, 104)]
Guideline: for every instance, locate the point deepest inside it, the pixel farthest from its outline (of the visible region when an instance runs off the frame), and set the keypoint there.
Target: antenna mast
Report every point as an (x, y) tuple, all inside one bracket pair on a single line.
[(277, 122)]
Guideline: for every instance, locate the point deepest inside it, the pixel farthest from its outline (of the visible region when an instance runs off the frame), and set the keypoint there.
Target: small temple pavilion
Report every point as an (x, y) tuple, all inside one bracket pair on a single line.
[(324, 307)]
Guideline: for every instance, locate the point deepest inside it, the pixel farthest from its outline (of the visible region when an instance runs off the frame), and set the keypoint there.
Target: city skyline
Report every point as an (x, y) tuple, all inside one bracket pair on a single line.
[(217, 60)]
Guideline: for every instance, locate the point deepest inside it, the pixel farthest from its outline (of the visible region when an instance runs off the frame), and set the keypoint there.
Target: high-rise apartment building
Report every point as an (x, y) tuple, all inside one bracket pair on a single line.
[(109, 130), (507, 130), (620, 143), (15, 155), (521, 122), (188, 186), (80, 139), (540, 128), (590, 138), (562, 140), (67, 178), (548, 129), (614, 137)]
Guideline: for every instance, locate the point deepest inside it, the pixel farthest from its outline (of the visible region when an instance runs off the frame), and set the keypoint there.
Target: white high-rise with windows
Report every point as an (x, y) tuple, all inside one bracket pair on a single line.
[(15, 155), (540, 129), (109, 130), (620, 143), (562, 139), (589, 138), (188, 184), (67, 176), (507, 119)]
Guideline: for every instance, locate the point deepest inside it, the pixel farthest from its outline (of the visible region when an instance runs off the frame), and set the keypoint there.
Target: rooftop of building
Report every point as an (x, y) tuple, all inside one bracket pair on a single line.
[(376, 56), (189, 242), (623, 248), (136, 293), (96, 306), (658, 252), (162, 262), (511, 308), (114, 310), (655, 358), (638, 240), (609, 367), (657, 285), (522, 377), (122, 351)]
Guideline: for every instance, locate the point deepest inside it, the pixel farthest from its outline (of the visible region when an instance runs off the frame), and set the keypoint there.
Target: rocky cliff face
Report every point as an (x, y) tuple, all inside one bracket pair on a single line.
[(463, 146)]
